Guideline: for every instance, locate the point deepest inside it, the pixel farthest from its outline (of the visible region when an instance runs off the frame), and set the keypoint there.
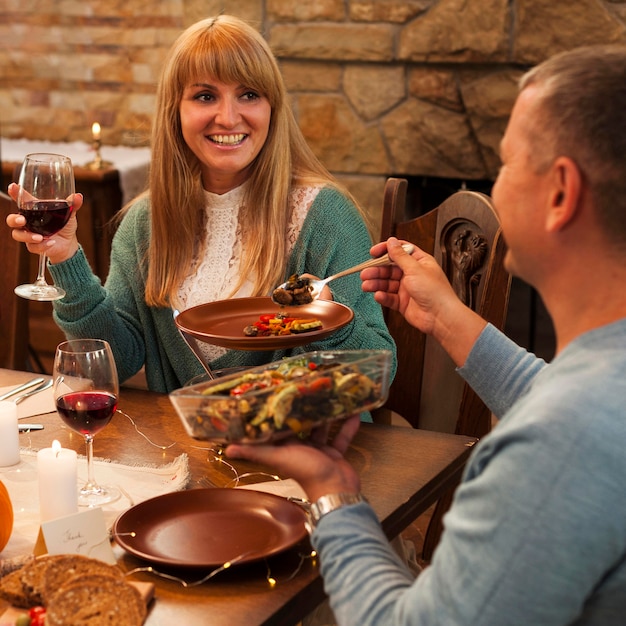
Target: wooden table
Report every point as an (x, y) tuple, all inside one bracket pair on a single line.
[(403, 471)]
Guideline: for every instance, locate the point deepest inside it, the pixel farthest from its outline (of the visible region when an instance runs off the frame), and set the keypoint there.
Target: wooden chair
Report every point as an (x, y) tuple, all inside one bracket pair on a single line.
[(464, 235), (14, 261)]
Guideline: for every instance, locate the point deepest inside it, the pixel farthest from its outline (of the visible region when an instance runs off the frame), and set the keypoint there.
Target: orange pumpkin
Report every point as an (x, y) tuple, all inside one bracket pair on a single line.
[(6, 516)]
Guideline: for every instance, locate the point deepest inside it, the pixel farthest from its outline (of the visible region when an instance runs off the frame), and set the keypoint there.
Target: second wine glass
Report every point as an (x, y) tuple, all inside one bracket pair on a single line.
[(86, 392), (45, 200)]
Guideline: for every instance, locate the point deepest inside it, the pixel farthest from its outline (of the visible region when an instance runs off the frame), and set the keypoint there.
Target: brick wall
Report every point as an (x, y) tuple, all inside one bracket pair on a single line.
[(380, 87)]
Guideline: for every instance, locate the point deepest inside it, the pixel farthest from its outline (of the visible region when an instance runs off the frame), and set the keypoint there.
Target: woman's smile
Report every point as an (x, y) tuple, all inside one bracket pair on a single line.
[(228, 140)]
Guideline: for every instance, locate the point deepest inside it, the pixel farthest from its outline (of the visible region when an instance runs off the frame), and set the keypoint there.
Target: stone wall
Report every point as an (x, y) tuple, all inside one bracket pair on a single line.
[(380, 87)]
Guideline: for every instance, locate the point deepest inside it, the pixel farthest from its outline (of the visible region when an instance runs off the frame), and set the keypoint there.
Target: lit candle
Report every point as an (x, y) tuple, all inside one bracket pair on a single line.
[(9, 434), (58, 482), (95, 131)]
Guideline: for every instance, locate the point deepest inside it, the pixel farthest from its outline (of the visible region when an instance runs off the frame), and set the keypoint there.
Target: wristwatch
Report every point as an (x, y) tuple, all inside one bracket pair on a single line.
[(331, 502)]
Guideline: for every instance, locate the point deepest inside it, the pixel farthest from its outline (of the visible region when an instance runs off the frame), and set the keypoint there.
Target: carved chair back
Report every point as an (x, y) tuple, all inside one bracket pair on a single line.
[(464, 236)]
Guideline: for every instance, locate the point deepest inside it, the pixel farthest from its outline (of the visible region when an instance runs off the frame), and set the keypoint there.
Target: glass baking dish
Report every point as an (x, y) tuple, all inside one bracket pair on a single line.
[(284, 398)]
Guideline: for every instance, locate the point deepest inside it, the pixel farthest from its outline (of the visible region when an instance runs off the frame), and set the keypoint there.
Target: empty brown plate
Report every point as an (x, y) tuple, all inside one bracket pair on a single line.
[(204, 528), (221, 323)]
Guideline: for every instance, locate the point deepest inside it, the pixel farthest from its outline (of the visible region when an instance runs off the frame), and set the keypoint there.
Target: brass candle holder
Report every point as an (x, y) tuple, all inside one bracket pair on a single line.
[(98, 163)]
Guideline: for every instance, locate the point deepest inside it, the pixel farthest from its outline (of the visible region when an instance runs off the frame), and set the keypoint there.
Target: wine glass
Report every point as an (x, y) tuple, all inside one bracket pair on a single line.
[(86, 391), (45, 199)]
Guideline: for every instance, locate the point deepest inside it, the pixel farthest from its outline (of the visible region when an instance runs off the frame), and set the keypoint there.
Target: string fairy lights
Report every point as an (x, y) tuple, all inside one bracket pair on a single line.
[(215, 454)]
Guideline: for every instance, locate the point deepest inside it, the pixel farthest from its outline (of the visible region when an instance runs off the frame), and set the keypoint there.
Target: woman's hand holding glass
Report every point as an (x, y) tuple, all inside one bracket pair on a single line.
[(57, 247)]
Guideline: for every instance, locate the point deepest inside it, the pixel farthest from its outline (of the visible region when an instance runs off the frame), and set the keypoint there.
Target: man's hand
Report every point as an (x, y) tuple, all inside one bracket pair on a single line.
[(418, 288), (318, 464)]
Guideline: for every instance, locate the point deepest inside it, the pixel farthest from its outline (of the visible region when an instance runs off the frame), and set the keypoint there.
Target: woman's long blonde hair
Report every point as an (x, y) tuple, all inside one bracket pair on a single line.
[(226, 49)]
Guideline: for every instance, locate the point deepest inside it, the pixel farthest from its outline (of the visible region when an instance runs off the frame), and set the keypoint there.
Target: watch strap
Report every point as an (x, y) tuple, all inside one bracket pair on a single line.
[(332, 502)]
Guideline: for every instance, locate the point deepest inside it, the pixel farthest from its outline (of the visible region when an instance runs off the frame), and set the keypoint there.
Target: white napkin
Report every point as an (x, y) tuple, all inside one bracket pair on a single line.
[(136, 483), (37, 404)]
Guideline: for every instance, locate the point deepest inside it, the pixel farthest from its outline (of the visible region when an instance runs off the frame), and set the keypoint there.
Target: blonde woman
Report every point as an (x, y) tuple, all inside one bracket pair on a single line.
[(237, 202)]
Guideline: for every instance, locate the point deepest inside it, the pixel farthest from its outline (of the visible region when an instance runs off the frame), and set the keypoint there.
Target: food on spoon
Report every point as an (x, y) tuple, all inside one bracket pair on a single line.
[(285, 398), (273, 324), (296, 291)]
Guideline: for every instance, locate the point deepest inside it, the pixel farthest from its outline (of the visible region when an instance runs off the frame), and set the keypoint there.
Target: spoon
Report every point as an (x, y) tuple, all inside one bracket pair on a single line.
[(315, 287), (28, 385), (32, 392)]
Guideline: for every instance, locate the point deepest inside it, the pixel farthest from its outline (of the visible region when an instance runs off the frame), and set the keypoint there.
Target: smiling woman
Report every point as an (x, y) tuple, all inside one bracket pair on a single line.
[(237, 203)]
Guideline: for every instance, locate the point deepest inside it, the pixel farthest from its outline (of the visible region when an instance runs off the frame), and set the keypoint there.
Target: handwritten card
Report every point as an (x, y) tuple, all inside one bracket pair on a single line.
[(83, 533)]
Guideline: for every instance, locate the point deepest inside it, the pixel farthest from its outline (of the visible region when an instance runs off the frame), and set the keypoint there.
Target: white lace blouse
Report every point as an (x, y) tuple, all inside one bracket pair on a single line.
[(214, 276)]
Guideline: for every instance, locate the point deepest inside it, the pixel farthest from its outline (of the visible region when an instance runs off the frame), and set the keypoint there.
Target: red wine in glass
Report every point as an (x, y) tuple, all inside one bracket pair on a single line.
[(46, 217), (86, 391), (86, 412), (46, 191)]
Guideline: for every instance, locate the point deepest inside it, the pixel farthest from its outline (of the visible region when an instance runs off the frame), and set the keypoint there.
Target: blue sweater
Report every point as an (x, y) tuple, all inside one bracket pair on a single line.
[(333, 237), (537, 532)]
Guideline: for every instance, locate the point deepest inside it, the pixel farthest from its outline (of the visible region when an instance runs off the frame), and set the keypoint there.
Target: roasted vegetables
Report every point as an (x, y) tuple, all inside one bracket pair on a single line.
[(279, 324), (285, 398)]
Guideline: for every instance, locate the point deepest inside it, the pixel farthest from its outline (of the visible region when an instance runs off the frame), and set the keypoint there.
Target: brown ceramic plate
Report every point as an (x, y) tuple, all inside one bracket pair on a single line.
[(221, 323), (202, 528)]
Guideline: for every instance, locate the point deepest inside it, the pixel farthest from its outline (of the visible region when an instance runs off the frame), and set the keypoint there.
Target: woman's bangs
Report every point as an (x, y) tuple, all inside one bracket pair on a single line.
[(230, 64)]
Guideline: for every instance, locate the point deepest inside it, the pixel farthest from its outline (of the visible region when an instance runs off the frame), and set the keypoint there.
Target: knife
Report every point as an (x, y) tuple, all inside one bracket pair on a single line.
[(24, 428), (28, 385)]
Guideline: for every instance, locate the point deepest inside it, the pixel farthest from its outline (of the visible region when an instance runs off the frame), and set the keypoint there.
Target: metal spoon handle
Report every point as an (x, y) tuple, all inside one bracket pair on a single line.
[(381, 260), (32, 392), (28, 385)]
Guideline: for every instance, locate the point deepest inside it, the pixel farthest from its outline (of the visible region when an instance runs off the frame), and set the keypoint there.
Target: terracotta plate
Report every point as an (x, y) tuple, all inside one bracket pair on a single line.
[(221, 323), (204, 528)]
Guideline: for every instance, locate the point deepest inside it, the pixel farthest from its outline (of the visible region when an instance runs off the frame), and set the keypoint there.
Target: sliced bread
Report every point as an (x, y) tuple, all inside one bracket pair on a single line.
[(96, 600)]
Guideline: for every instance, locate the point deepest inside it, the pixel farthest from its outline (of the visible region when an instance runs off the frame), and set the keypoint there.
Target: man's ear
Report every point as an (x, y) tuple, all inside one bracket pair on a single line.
[(564, 195)]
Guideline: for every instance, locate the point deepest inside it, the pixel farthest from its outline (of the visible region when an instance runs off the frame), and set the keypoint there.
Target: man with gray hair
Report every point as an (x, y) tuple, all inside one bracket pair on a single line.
[(537, 530)]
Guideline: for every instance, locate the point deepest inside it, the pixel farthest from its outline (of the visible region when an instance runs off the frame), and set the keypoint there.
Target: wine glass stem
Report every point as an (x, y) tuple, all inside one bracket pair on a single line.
[(91, 483), (41, 271)]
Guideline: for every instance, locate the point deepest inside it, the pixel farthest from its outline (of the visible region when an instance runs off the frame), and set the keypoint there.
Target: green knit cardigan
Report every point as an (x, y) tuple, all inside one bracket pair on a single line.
[(333, 237)]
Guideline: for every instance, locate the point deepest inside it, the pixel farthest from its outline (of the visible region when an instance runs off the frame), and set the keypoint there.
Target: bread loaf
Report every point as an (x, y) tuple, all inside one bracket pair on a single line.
[(32, 578), (76, 591), (12, 591), (61, 569), (96, 600)]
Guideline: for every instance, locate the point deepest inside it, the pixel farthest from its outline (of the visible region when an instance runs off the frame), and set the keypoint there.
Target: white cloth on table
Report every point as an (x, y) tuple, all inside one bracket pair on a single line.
[(131, 163), (136, 484)]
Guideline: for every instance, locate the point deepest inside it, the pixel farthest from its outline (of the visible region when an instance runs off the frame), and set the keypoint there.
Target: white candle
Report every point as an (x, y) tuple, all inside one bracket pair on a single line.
[(58, 482), (95, 130), (9, 434)]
